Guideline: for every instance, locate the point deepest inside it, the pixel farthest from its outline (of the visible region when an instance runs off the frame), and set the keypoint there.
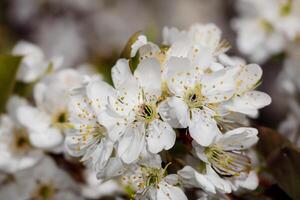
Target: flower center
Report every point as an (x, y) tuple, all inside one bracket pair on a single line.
[(21, 143), (201, 167), (93, 132), (61, 117), (227, 163), (285, 8), (267, 26), (146, 112), (193, 97), (44, 192), (152, 179), (154, 175)]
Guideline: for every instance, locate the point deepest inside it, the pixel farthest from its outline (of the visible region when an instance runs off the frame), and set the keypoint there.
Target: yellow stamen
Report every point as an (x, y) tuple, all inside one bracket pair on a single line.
[(227, 163)]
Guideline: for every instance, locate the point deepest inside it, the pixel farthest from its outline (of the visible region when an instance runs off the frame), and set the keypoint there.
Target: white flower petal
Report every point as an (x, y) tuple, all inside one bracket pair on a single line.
[(115, 125), (80, 111), (248, 103), (149, 50), (149, 159), (32, 65), (168, 115), (9, 191), (180, 75), (26, 48), (216, 66), (250, 183), (126, 99), (120, 72), (149, 75), (171, 35), (55, 102), (47, 139), (221, 184), (199, 150), (141, 41), (208, 35), (132, 143), (202, 127), (13, 104), (40, 91), (167, 191), (192, 178), (172, 179), (10, 163), (237, 139), (220, 85), (248, 77), (114, 168), (67, 195), (180, 110), (100, 155), (180, 48), (160, 135), (201, 57), (204, 183), (95, 189), (98, 93), (69, 78), (33, 118)]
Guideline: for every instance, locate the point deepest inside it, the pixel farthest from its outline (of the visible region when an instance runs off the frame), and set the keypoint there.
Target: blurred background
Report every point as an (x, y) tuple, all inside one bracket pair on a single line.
[(95, 31)]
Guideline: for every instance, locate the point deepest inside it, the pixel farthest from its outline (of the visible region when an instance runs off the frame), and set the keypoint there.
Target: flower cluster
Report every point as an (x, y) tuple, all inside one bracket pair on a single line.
[(30, 131), (265, 28), (185, 95), (186, 88)]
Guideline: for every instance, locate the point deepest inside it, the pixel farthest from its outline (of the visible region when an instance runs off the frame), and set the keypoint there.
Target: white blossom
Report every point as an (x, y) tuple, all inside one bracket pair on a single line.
[(17, 152), (246, 99), (95, 188), (45, 121), (88, 138), (45, 181), (132, 114), (34, 63), (224, 167), (195, 94), (265, 27), (153, 183), (125, 132)]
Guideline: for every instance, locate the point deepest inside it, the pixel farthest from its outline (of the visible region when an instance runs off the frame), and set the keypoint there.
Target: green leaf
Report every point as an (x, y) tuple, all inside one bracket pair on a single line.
[(24, 89), (8, 70), (129, 191), (133, 62), (127, 49), (283, 160)]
